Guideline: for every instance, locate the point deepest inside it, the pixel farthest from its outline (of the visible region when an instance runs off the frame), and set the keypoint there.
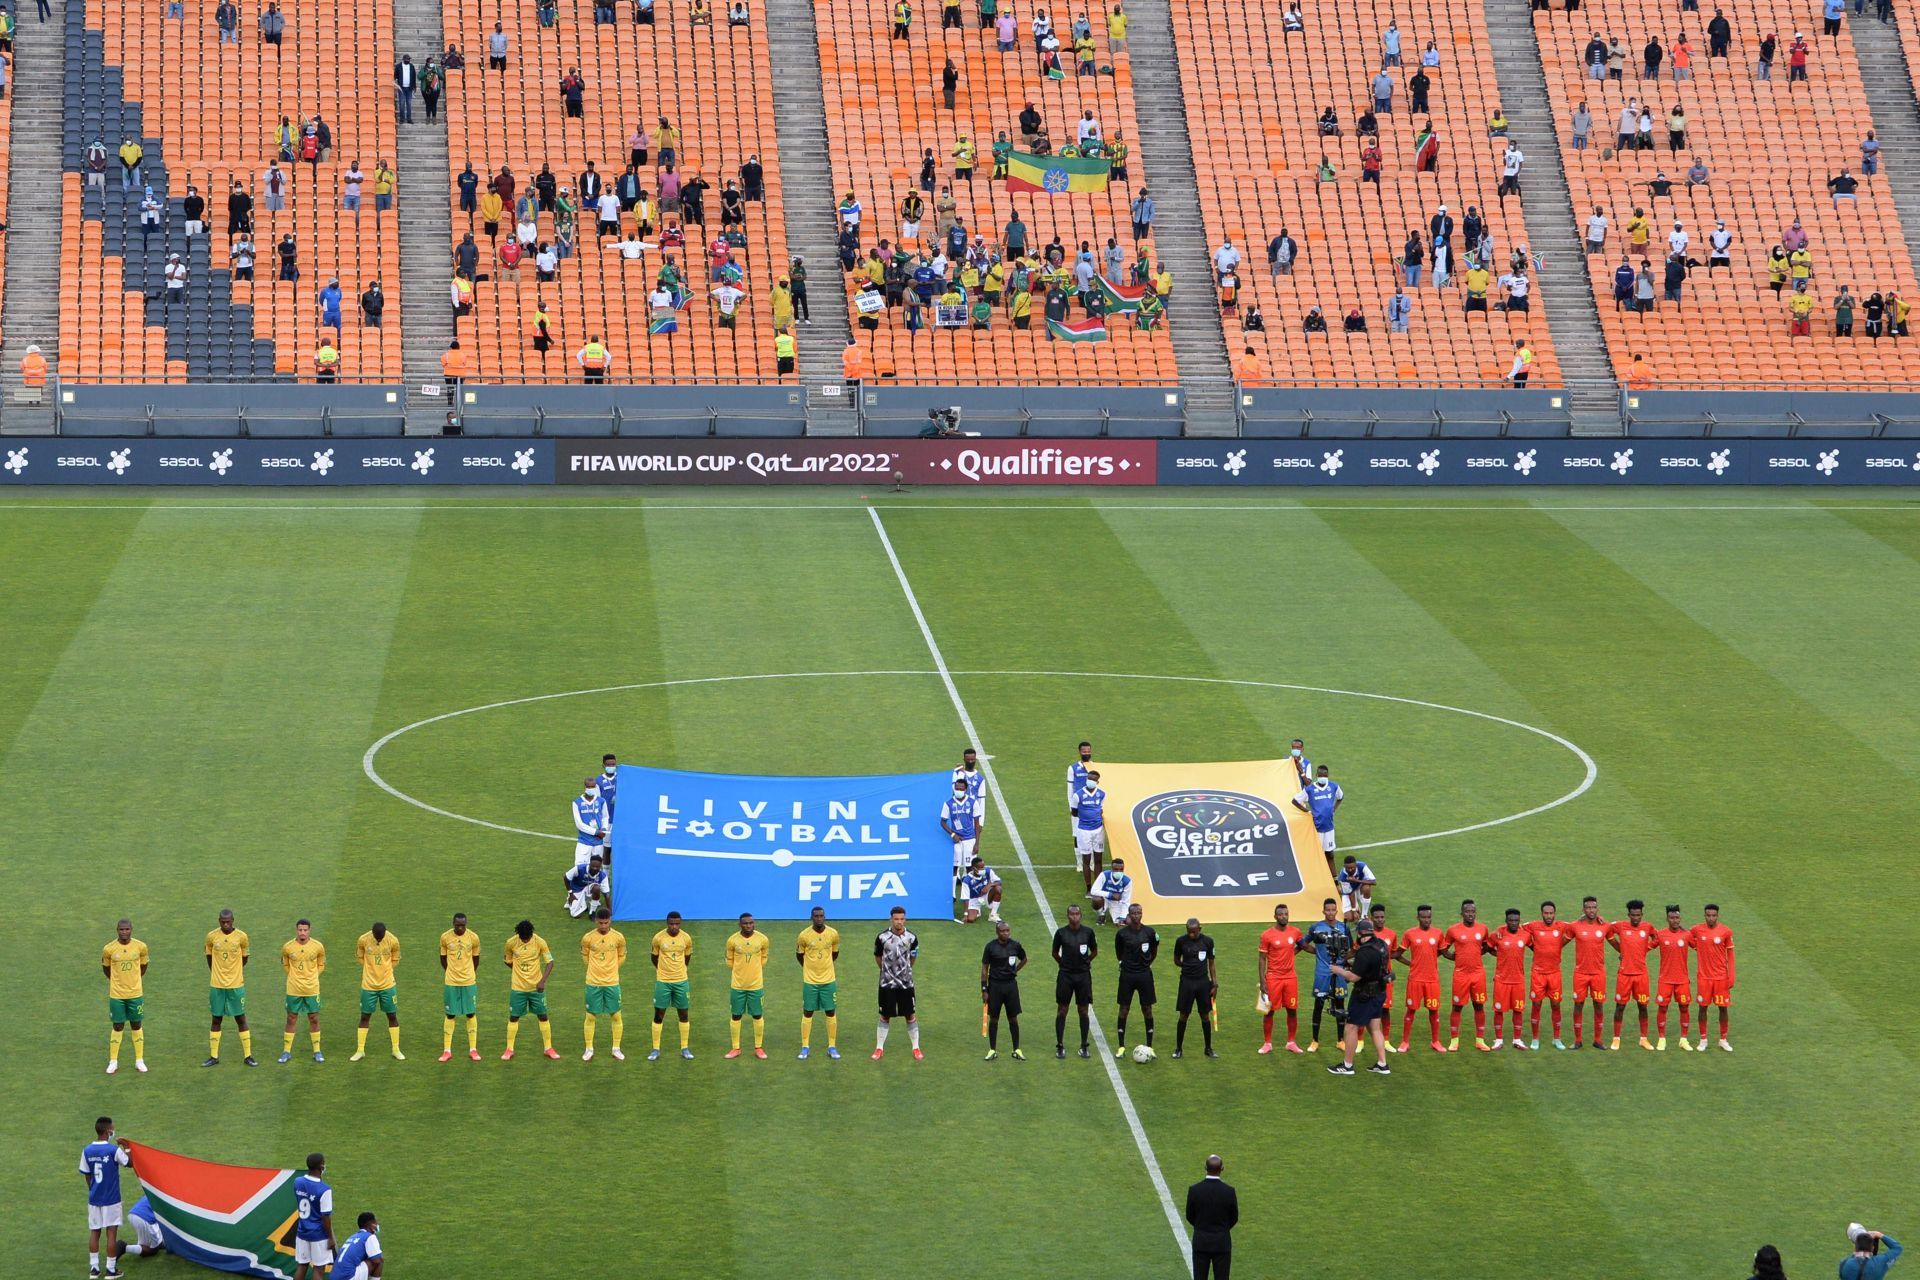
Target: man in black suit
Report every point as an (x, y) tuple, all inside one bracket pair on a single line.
[(1212, 1209)]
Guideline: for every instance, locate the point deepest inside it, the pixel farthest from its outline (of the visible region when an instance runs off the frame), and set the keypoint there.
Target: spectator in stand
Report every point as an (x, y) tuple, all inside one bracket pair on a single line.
[(1643, 287), (1720, 248), (1797, 53), (239, 210), (1382, 97), (1843, 185), (1597, 230), (350, 187), (226, 16), (96, 166), (1778, 269), (289, 254), (1869, 154), (373, 304), (131, 153), (467, 183), (1843, 305), (273, 24), (1676, 129), (1623, 281), (329, 304), (1399, 311), (1830, 14), (241, 256), (573, 91), (1314, 322), (385, 182), (1582, 125), (1697, 174), (1719, 36), (1616, 60), (1141, 212), (1413, 256), (1763, 66), (1418, 88), (1676, 276), (149, 215), (1682, 58), (406, 79), (497, 48), (433, 82), (1594, 58), (1651, 57)]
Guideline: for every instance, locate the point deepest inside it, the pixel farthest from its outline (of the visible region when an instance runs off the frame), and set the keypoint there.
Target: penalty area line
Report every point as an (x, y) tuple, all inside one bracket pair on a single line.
[(1174, 1220)]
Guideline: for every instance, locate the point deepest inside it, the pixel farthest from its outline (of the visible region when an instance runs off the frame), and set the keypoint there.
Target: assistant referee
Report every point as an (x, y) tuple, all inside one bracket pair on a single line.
[(1074, 948), (1000, 965)]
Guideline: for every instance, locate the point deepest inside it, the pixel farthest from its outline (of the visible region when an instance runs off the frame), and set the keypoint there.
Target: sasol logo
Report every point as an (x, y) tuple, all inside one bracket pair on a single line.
[(1486, 462), (1294, 462), (1215, 844), (1899, 463), (1681, 462), (1789, 462), (1404, 463), (1211, 463), (483, 462), (383, 462), (181, 462), (77, 460), (1583, 462), (283, 462)]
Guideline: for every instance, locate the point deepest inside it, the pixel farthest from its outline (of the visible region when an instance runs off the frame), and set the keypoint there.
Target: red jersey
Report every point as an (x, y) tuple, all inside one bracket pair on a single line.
[(1674, 946), (1387, 936), (1469, 943), (1589, 945), (1632, 941), (1715, 945), (1421, 947), (1510, 955), (1280, 946), (1547, 940)]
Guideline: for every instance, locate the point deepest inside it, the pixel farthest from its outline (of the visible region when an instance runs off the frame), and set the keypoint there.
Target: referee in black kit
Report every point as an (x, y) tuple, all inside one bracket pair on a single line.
[(1136, 944), (1199, 982), (1000, 966), (1074, 947), (1368, 970)]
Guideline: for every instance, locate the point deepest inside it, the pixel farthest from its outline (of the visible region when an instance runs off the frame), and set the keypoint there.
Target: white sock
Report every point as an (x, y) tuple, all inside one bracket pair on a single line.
[(93, 1261), (913, 1031), (880, 1037), (134, 1250)]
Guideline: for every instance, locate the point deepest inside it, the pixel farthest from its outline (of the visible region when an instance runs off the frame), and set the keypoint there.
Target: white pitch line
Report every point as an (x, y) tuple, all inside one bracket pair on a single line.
[(1174, 1221), (1063, 505)]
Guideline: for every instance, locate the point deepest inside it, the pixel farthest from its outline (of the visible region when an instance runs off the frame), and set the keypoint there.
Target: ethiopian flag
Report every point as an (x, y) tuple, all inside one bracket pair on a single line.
[(1092, 329), (1120, 297), (221, 1216), (1056, 175)]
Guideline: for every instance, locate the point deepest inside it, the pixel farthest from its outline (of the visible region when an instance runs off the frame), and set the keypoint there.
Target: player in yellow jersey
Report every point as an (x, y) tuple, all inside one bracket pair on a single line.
[(379, 954), (532, 965), (303, 958), (746, 956), (124, 962), (461, 992), (604, 950), (672, 948), (818, 948), (227, 987)]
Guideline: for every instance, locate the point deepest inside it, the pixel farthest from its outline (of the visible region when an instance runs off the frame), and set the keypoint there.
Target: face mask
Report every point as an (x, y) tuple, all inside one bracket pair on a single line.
[(610, 769), (1295, 753), (1091, 787)]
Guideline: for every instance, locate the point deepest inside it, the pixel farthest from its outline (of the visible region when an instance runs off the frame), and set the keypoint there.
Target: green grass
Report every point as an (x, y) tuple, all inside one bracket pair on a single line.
[(188, 683)]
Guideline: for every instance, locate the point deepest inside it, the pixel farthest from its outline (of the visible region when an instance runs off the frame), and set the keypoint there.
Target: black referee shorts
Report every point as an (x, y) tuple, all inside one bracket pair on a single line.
[(1194, 991), (1137, 984), (896, 1002), (1003, 997), (1073, 988)]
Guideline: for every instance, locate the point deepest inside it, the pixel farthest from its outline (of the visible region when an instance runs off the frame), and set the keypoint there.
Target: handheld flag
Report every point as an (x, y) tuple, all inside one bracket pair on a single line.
[(1056, 175), (1092, 329), (1426, 151), (222, 1216), (663, 322), (1120, 297)]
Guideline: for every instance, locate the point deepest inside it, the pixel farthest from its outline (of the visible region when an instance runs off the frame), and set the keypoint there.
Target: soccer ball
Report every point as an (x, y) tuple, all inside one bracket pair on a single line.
[(1143, 1053)]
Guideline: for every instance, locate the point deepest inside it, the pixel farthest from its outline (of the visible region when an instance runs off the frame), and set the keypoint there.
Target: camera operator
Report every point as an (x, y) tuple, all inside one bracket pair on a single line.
[(1867, 1262), (1366, 968), (942, 424)]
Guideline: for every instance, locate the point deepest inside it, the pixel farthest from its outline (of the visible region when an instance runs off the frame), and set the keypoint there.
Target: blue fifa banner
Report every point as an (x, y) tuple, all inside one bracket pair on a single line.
[(1630, 460), (330, 461), (712, 845)]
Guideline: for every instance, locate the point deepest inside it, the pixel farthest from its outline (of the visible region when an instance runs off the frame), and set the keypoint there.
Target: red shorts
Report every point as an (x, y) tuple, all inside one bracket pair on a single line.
[(1716, 992), (1423, 993), (1675, 993), (1283, 992), (1470, 985), (1546, 986), (1630, 987), (1590, 984), (1509, 995)]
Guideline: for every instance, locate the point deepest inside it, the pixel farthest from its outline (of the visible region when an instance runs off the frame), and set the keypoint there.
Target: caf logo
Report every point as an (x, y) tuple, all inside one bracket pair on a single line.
[(1216, 844)]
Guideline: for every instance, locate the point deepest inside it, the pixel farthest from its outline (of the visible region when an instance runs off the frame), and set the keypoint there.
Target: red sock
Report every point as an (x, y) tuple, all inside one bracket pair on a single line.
[(1683, 1022), (1580, 1024), (1454, 1024), (1596, 1022), (1643, 1022), (1293, 1025), (1536, 1021), (1556, 1022), (1479, 1022), (1723, 1025), (1266, 1028), (1433, 1020), (1660, 1020)]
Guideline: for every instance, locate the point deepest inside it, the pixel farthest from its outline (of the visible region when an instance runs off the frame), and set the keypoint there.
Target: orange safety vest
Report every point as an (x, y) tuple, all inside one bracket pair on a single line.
[(33, 369), (1640, 378), (1249, 368), (853, 364), (453, 363)]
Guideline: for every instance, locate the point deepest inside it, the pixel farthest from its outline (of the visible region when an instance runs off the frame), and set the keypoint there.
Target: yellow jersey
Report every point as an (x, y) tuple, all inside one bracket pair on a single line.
[(818, 946), (303, 962), (125, 960), (529, 960), (747, 957), (377, 960), (229, 954), (604, 953), (671, 951), (459, 950)]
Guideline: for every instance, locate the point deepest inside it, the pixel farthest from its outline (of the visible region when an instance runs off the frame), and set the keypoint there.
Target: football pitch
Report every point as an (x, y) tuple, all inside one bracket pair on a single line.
[(190, 685)]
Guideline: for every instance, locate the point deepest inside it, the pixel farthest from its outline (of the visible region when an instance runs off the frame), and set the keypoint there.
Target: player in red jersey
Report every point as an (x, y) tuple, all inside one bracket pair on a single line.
[(1632, 938), (1279, 980), (1590, 935), (1548, 937), (1714, 943), (1676, 985), (1419, 949), (1467, 947), (1510, 943), (1379, 917)]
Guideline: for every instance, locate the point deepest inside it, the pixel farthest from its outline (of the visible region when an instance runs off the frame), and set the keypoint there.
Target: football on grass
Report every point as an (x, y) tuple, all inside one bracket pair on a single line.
[(1143, 1053)]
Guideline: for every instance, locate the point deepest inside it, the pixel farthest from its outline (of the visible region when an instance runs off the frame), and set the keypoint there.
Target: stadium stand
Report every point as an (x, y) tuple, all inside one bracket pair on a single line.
[(713, 81), (885, 109), (1255, 94), (206, 112), (1769, 146)]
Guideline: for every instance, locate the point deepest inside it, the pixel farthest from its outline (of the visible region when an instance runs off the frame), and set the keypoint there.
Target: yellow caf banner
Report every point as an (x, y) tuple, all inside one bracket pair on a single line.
[(1219, 841)]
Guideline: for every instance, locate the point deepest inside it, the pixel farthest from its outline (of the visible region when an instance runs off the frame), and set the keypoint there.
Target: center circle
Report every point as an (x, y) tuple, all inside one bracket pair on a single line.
[(1591, 769)]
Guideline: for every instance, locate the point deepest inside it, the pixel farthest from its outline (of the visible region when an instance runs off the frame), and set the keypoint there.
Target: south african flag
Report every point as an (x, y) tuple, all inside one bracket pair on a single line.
[(221, 1216), (1056, 175), (1120, 297), (1092, 329)]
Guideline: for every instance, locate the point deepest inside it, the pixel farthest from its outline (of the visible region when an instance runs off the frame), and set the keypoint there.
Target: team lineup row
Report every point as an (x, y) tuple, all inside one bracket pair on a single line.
[(1528, 973)]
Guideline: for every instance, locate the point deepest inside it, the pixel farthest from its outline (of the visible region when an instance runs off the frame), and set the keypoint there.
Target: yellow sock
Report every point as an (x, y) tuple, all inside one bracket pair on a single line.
[(473, 1034), (446, 1037), (759, 1032), (586, 1030), (393, 1034), (686, 1031), (139, 1043), (513, 1033), (833, 1031), (656, 1034), (113, 1042), (246, 1044), (286, 1042), (360, 1041), (733, 1029), (546, 1034), (806, 1031), (619, 1025), (313, 1038), (213, 1042)]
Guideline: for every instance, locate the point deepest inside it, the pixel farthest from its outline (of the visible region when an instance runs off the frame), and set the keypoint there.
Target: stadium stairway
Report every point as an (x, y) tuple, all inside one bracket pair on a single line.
[(426, 219), (1888, 82), (1565, 293), (1180, 237), (31, 309), (806, 178)]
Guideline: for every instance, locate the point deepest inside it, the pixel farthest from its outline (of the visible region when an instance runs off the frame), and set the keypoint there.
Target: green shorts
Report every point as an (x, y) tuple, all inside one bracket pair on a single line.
[(603, 999), (461, 1001), (125, 1010), (746, 1002), (520, 1003), (670, 995), (227, 1002), (302, 1004), (380, 1001), (818, 997)]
